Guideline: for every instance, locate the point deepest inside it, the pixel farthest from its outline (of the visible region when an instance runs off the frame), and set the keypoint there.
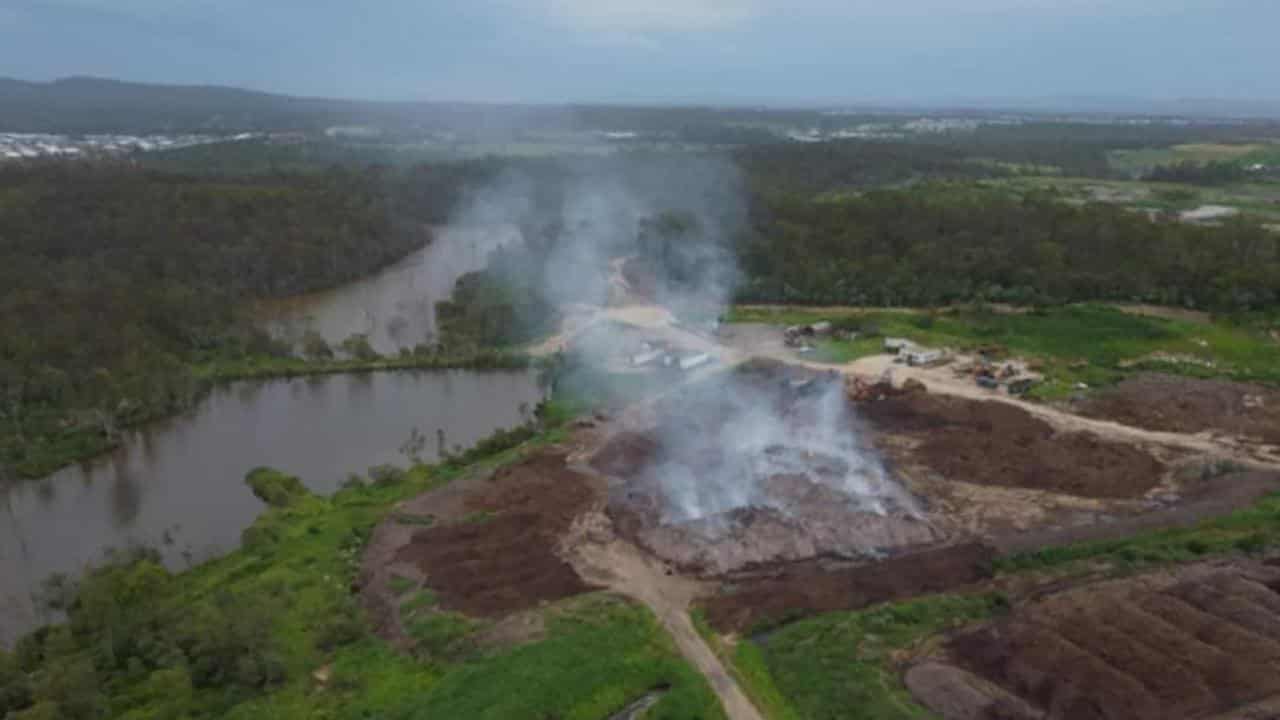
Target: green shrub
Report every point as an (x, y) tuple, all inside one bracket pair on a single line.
[(441, 635), (229, 642), (357, 347), (1252, 543), (385, 475), (315, 347), (274, 487), (343, 627), (15, 689)]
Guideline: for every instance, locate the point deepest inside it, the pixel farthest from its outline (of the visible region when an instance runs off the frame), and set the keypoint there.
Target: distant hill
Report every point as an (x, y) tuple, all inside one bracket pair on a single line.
[(86, 104)]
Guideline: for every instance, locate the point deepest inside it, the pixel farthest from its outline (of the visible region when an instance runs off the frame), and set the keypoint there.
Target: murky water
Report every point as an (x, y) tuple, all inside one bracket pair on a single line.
[(396, 307), (178, 486)]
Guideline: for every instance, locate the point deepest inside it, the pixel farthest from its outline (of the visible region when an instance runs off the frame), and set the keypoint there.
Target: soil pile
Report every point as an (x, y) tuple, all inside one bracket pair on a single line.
[(501, 556), (1196, 643), (798, 589), (485, 546), (1175, 404), (994, 443)]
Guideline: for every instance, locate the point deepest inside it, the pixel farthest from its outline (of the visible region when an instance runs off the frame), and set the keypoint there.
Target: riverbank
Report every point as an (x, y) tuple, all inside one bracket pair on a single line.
[(64, 443), (272, 630)]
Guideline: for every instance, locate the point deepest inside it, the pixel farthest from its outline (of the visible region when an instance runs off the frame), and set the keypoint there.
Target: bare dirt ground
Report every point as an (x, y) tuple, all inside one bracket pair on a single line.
[(1182, 405), (1201, 641)]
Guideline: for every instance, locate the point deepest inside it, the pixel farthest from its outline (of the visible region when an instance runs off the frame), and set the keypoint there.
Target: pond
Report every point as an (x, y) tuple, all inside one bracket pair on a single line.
[(178, 485)]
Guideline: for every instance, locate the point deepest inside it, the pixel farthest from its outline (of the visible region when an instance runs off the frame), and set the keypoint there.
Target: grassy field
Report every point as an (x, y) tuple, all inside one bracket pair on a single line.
[(272, 631), (1141, 161), (1093, 344), (1258, 199), (1250, 530), (842, 665)]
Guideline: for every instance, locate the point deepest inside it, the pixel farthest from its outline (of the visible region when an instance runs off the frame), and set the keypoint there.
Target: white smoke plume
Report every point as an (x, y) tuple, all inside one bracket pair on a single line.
[(576, 216), (767, 441), (784, 442)]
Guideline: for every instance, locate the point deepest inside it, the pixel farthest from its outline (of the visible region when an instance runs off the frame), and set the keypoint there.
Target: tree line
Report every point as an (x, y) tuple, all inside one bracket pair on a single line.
[(944, 243)]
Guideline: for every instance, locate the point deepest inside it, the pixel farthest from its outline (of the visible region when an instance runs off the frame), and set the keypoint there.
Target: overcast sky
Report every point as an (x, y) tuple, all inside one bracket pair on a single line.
[(663, 50)]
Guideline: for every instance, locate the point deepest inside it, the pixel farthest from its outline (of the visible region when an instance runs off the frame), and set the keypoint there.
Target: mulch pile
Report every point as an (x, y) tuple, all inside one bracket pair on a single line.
[(995, 443), (1201, 646), (502, 559)]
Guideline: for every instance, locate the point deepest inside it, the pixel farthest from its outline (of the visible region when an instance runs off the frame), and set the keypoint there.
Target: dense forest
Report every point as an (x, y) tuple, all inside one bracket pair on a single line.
[(942, 243), (1192, 173), (810, 169), (117, 280)]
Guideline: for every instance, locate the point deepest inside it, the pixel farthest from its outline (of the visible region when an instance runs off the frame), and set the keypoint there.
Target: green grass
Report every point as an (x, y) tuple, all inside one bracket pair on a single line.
[(1249, 530), (422, 600), (401, 585), (1094, 344), (1257, 198), (840, 665), (1144, 160), (601, 654), (752, 670), (747, 665)]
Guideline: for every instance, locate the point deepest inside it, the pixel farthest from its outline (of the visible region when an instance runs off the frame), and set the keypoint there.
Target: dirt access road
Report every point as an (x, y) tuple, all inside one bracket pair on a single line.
[(625, 569)]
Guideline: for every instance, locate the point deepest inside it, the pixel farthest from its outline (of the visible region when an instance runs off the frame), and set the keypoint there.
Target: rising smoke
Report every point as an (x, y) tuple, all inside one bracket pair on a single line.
[(728, 443), (766, 439), (679, 213)]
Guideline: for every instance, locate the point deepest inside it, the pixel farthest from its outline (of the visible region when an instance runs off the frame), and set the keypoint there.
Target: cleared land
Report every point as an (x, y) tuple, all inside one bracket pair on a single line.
[(1173, 404), (990, 443)]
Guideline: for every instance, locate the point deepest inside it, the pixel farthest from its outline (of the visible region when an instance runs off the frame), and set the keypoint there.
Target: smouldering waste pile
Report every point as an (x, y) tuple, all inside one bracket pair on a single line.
[(762, 465)]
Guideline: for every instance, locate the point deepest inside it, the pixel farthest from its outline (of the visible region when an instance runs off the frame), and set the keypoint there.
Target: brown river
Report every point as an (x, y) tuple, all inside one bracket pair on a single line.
[(177, 486), (396, 307)]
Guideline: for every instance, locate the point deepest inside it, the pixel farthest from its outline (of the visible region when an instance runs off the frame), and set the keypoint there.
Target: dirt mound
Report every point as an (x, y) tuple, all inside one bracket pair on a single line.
[(798, 589), (1184, 405), (502, 558), (1202, 641), (490, 545), (994, 443)]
